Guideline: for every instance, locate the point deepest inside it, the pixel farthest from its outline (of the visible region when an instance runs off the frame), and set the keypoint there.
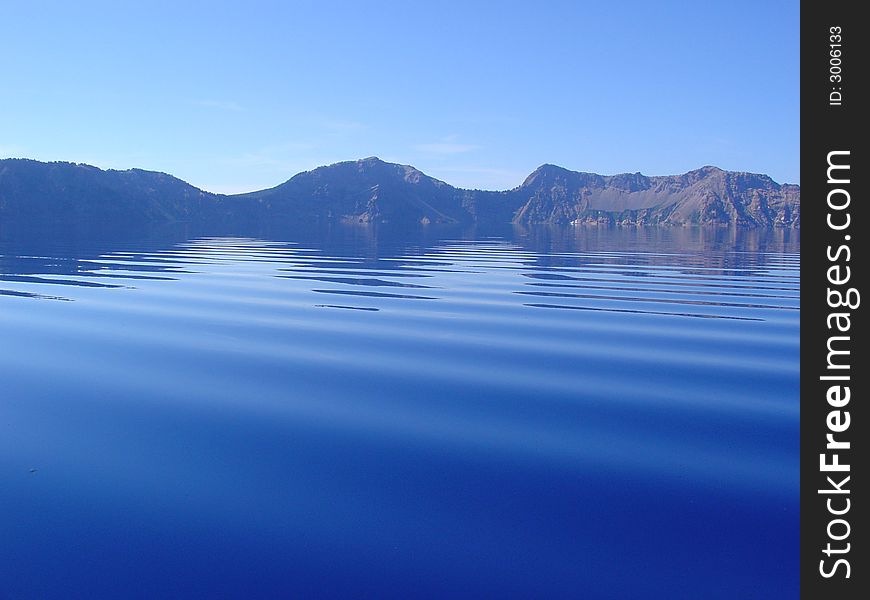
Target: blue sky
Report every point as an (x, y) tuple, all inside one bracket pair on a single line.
[(235, 96)]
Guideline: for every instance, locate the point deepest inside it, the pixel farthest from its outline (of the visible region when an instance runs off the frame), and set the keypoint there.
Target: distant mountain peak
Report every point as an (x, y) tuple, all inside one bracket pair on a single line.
[(549, 168), (706, 171), (546, 171), (370, 190)]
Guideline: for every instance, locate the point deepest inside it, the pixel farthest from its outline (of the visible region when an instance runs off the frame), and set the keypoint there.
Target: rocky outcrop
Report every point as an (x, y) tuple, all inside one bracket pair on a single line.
[(706, 196)]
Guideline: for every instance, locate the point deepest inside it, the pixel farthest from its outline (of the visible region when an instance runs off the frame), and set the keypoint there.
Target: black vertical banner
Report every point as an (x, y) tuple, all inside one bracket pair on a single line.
[(834, 430)]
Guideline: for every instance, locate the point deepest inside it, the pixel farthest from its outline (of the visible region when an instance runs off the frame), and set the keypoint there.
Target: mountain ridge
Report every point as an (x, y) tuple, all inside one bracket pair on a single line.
[(371, 190)]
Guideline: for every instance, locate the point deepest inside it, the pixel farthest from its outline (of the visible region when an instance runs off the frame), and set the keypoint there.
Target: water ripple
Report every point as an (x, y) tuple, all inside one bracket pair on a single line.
[(572, 392)]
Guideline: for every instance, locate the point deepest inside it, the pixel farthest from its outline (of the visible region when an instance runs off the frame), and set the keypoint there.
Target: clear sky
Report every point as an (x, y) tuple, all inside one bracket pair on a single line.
[(237, 96)]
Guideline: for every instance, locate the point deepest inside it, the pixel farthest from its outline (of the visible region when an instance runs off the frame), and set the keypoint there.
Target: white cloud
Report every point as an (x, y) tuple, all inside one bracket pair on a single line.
[(273, 156), (271, 164), (481, 178), (220, 105), (264, 162)]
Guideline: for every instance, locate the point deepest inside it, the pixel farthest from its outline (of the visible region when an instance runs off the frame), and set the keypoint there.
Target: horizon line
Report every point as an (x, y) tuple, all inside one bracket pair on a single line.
[(378, 159)]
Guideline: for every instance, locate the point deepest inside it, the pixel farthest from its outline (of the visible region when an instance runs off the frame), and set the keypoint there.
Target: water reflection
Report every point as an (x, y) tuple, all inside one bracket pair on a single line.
[(608, 268), (357, 411)]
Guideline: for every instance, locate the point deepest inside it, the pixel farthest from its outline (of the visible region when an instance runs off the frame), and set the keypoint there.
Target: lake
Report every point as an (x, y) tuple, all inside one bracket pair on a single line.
[(363, 412)]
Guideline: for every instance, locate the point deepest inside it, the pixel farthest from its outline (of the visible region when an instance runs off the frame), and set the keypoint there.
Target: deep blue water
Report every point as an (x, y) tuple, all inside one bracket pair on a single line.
[(577, 413)]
